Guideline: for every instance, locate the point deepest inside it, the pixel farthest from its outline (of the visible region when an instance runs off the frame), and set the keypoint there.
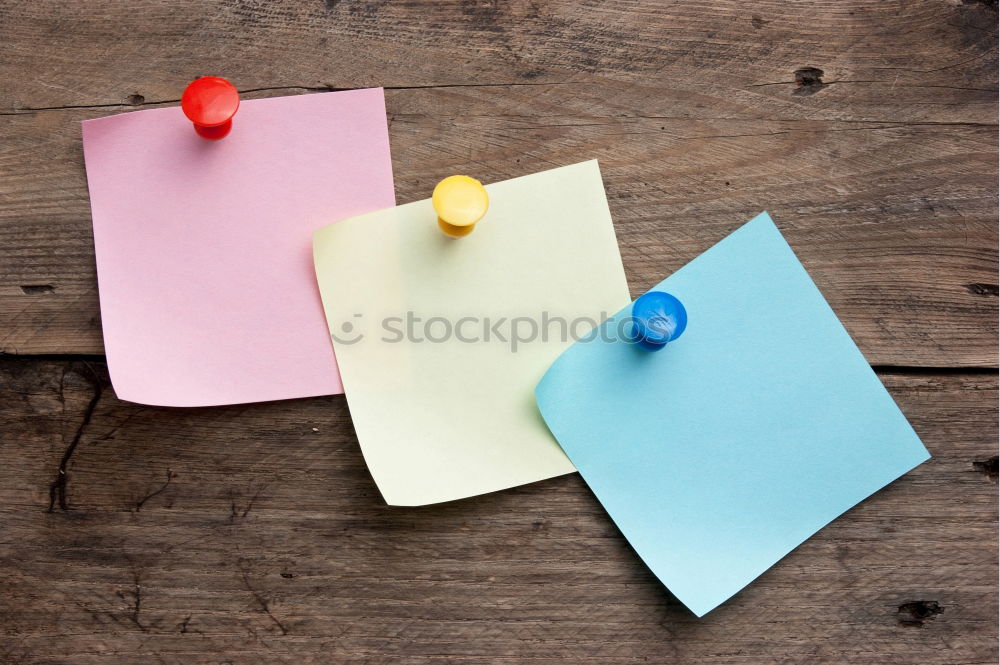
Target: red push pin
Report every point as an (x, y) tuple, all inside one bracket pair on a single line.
[(210, 103)]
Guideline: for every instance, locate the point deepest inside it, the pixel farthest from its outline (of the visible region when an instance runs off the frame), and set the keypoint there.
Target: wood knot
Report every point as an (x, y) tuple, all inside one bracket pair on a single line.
[(916, 613), (987, 466), (808, 81), (35, 289), (988, 4), (980, 289)]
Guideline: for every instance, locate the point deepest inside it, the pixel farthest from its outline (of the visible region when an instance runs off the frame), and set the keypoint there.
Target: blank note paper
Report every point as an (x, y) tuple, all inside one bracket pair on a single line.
[(204, 260), (724, 451), (440, 340)]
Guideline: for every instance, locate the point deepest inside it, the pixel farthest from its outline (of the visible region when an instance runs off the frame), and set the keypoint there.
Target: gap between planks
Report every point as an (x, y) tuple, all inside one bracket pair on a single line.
[(878, 369)]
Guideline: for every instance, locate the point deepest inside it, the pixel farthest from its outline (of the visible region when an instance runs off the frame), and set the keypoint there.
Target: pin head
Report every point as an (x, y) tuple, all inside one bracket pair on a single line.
[(460, 202), (657, 318), (210, 103)]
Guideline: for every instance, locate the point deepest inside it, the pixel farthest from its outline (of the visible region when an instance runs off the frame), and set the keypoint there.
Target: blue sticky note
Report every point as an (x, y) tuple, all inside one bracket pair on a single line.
[(721, 453)]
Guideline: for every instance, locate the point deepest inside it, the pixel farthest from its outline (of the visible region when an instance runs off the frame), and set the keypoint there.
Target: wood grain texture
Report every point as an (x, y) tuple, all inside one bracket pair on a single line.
[(254, 534), (882, 171)]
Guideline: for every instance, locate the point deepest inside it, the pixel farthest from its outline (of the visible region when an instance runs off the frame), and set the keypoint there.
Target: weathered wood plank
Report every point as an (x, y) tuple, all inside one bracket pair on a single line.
[(882, 171), (908, 56), (255, 534), (895, 221)]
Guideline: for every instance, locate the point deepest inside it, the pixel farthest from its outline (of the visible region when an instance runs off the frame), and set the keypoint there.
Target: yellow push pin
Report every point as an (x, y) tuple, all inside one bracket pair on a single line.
[(460, 202)]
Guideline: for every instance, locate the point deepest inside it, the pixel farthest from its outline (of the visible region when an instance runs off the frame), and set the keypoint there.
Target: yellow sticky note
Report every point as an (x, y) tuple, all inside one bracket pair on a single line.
[(441, 341)]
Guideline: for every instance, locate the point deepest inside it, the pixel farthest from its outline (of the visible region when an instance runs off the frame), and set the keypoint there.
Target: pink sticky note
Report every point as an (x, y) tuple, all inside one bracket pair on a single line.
[(204, 248)]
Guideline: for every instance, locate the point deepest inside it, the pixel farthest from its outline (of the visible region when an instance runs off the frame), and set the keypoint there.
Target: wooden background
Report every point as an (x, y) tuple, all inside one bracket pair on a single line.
[(253, 534)]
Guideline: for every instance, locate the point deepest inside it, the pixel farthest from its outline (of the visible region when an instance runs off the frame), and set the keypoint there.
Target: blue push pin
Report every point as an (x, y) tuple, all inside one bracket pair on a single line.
[(657, 318)]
